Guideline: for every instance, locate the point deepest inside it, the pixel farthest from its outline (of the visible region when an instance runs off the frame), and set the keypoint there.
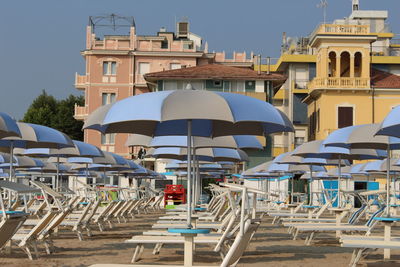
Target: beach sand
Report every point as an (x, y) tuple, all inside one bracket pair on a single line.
[(271, 246)]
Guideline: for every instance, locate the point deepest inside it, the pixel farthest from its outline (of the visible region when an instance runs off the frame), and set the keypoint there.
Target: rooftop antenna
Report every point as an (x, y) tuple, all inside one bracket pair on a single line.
[(323, 4)]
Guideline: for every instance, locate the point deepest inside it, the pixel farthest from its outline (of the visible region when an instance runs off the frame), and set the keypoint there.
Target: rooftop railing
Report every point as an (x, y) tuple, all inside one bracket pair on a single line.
[(339, 83)]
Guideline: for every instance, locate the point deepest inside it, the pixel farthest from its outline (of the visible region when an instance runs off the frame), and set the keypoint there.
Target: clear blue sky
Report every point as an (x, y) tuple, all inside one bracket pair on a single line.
[(40, 40)]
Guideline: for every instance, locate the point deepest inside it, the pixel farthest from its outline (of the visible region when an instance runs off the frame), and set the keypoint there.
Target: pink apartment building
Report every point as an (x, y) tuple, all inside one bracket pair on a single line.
[(115, 65)]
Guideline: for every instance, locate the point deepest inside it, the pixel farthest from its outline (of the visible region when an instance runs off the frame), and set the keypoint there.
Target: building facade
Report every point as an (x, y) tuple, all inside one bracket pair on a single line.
[(115, 65), (344, 73)]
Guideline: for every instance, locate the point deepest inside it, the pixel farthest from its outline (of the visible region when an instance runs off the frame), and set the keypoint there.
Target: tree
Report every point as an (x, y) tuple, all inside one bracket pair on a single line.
[(64, 120), (42, 110), (57, 114)]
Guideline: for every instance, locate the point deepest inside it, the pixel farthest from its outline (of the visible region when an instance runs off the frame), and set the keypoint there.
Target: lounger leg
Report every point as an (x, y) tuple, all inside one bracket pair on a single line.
[(295, 234), (47, 248), (100, 227), (308, 241), (35, 248), (138, 251), (80, 235), (28, 252)]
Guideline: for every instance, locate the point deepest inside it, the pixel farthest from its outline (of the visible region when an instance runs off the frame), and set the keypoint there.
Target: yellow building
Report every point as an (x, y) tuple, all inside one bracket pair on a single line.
[(345, 73)]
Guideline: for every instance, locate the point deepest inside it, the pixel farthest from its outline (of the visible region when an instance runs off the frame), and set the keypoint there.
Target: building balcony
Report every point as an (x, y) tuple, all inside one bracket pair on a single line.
[(342, 29), (80, 81), (339, 83), (81, 112)]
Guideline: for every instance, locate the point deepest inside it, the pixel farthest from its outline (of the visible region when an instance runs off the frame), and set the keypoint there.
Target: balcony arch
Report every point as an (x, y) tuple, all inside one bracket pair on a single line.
[(344, 64), (358, 64), (332, 68)]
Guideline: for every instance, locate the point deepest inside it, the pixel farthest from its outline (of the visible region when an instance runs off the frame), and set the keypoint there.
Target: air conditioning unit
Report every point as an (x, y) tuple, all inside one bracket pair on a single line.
[(182, 29)]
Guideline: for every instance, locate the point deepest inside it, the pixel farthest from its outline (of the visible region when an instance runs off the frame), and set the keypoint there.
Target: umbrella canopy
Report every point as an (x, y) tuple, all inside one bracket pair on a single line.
[(37, 136), (24, 162), (236, 141), (360, 137), (50, 167), (316, 149), (315, 176), (291, 168), (381, 166), (207, 154), (390, 126), (167, 113), (80, 149), (8, 126), (289, 158), (107, 158), (261, 168)]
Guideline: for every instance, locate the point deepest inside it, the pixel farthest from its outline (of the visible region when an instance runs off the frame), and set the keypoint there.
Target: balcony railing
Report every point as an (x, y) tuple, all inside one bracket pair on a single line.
[(339, 83), (80, 81), (341, 29), (81, 112)]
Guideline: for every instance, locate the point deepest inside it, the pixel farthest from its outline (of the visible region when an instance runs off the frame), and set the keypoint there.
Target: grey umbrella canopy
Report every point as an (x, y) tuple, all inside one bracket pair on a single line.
[(206, 154), (364, 136), (261, 168), (183, 112), (240, 141), (8, 126)]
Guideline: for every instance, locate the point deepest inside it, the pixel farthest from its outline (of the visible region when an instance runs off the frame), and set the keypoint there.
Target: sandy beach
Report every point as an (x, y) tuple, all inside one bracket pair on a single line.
[(271, 246)]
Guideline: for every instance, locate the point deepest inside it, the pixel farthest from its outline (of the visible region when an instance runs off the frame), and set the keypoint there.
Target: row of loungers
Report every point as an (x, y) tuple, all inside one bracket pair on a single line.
[(39, 221)]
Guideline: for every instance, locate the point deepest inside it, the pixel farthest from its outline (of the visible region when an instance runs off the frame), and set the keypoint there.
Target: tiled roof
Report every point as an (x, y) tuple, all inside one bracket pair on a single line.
[(214, 72), (383, 79)]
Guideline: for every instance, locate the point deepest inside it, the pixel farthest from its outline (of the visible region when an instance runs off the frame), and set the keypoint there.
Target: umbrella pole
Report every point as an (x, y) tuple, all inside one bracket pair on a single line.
[(292, 191), (311, 184), (339, 177), (58, 173), (194, 185), (388, 183), (189, 174), (198, 181), (11, 160)]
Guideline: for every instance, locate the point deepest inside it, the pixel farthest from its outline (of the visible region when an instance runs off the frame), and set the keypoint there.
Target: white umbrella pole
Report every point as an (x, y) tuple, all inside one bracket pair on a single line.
[(58, 173), (189, 174), (292, 190), (11, 160), (388, 183), (198, 181), (194, 185), (311, 184), (339, 176)]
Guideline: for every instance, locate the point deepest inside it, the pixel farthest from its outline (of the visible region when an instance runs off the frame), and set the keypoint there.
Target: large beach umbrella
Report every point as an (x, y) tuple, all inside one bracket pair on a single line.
[(390, 126), (236, 141), (8, 126), (205, 154), (361, 137), (35, 136), (316, 149), (80, 149), (189, 113), (289, 158)]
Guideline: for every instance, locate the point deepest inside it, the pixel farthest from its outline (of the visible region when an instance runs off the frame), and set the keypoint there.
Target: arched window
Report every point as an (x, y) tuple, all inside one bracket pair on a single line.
[(357, 64), (332, 64), (345, 64)]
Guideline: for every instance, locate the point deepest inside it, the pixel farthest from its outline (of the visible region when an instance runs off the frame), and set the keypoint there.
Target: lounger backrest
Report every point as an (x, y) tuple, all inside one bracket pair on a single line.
[(371, 220), (40, 226), (57, 220), (353, 218), (240, 244), (298, 207), (226, 233), (8, 227), (93, 210), (322, 209)]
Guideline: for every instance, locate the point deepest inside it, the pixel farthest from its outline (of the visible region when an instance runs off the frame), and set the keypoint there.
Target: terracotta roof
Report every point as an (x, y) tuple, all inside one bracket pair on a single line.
[(383, 79), (214, 72)]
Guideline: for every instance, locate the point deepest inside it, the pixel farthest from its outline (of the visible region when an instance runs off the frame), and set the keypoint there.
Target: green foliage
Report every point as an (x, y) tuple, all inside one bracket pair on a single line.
[(58, 114)]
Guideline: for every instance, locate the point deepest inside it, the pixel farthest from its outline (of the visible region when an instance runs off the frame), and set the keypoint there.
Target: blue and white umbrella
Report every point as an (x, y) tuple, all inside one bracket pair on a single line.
[(8, 126), (189, 113), (235, 141), (363, 137)]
